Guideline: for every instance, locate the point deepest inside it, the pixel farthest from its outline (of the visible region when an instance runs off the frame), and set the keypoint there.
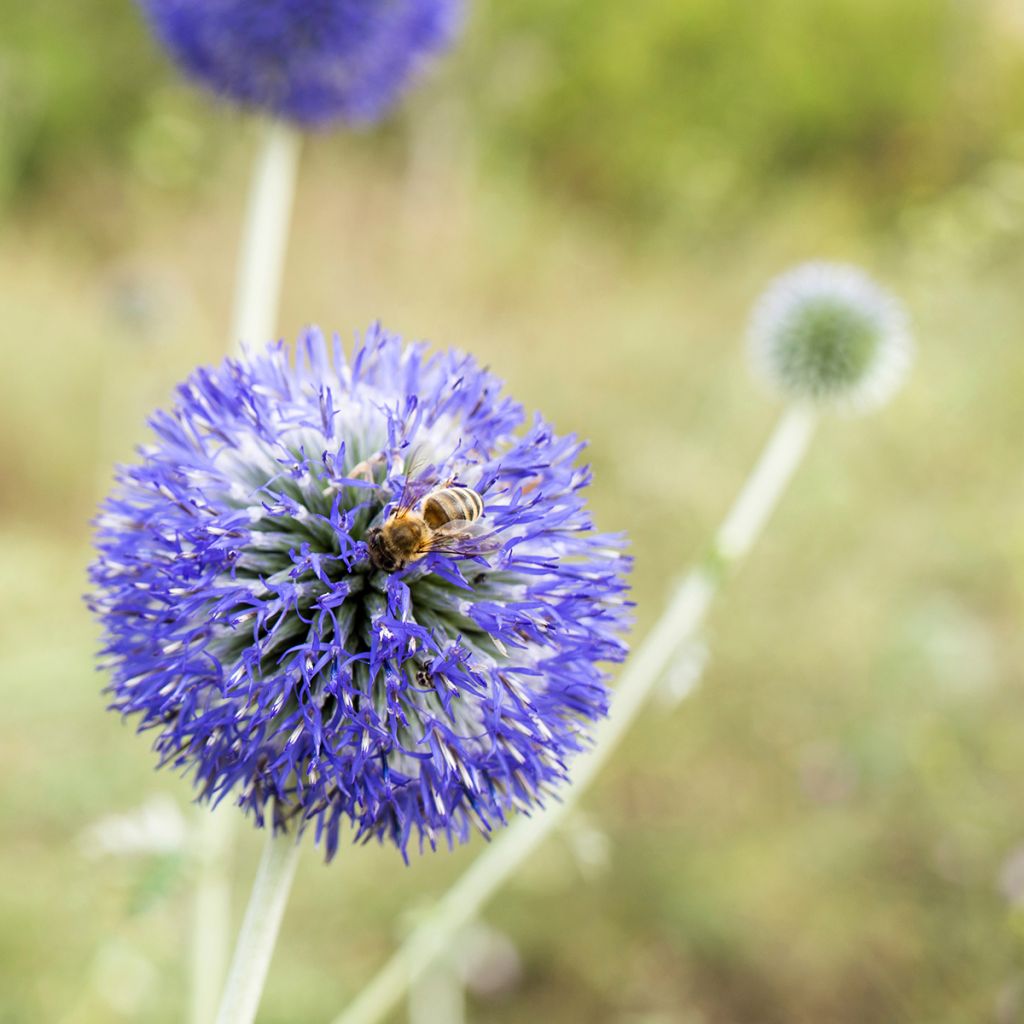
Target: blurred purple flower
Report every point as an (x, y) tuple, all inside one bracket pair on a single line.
[(245, 623), (308, 61)]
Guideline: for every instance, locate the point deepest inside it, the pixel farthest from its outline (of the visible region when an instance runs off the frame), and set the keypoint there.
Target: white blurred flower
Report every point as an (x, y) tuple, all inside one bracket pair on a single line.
[(684, 674), (488, 962), (826, 333), (158, 826)]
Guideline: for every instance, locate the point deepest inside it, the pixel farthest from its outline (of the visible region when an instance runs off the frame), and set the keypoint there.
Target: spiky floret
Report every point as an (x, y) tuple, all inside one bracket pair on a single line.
[(245, 624), (309, 61), (826, 333)]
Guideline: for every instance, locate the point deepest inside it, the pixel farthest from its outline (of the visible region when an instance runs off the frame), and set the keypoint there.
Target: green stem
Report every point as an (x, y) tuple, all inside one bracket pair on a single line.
[(256, 940), (253, 321), (677, 627), (211, 927), (265, 235)]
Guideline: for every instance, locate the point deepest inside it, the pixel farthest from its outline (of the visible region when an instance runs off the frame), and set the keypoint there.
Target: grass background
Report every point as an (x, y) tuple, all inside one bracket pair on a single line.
[(826, 831)]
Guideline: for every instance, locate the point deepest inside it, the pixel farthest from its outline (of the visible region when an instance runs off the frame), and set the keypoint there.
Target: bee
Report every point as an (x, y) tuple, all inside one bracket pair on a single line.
[(445, 516)]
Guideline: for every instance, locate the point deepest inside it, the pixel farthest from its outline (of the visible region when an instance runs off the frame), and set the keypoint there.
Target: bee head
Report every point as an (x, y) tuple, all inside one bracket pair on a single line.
[(381, 557)]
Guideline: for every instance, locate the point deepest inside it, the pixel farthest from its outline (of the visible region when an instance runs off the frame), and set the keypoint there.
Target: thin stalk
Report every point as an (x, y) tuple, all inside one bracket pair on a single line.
[(211, 910), (438, 996), (256, 940), (265, 235), (676, 627), (253, 321)]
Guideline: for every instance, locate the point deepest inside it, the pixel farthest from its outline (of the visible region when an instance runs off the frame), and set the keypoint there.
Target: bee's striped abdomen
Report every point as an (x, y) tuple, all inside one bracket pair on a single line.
[(440, 507)]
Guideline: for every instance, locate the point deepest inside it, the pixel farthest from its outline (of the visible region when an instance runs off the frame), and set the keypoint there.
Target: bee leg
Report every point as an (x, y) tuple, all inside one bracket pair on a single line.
[(364, 470), (361, 471)]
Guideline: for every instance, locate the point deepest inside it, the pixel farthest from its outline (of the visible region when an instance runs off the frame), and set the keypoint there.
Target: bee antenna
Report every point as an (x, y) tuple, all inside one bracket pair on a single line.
[(414, 460)]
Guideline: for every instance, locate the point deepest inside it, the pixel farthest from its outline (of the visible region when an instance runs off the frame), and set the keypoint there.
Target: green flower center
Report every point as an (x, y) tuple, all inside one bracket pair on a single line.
[(827, 346)]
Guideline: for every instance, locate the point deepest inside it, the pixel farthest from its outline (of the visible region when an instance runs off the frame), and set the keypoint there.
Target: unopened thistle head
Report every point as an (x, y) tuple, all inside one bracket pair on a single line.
[(826, 333), (247, 624), (308, 61)]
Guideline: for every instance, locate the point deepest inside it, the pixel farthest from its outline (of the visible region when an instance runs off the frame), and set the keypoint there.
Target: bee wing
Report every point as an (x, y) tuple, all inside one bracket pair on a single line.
[(457, 537), (459, 528)]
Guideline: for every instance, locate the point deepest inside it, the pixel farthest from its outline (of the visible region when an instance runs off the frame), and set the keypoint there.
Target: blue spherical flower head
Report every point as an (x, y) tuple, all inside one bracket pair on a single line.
[(309, 61), (247, 622)]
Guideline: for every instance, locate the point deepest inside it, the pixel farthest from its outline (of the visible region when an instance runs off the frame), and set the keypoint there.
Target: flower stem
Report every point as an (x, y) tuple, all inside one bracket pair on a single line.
[(264, 237), (253, 320), (438, 996), (676, 627), (211, 910), (256, 940)]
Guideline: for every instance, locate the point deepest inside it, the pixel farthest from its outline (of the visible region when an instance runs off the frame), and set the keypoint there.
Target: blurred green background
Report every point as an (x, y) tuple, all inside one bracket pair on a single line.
[(588, 196)]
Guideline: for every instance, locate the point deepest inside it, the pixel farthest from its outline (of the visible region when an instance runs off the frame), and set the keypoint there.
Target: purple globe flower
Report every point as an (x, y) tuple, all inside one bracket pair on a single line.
[(247, 622), (310, 61)]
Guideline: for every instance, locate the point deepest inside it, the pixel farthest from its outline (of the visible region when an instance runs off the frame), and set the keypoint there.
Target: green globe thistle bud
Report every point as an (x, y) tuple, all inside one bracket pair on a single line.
[(827, 334)]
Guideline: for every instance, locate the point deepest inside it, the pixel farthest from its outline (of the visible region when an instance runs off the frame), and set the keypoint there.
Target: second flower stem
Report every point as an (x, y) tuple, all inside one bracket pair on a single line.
[(676, 627), (256, 940), (265, 235)]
